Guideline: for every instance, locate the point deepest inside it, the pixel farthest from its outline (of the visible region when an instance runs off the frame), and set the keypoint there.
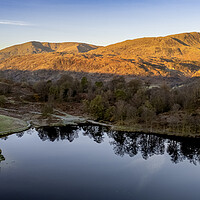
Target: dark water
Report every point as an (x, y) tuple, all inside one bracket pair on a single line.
[(93, 163)]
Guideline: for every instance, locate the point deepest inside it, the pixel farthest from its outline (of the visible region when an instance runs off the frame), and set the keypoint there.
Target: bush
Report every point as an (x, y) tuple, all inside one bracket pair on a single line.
[(108, 116), (47, 110), (5, 88), (84, 84), (2, 100), (120, 94), (96, 107)]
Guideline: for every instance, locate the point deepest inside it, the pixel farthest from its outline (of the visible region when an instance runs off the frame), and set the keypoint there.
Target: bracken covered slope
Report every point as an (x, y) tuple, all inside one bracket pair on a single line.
[(174, 55)]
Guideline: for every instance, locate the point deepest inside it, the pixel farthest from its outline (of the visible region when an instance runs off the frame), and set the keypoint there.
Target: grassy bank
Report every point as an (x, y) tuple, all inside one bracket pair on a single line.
[(10, 125), (186, 131)]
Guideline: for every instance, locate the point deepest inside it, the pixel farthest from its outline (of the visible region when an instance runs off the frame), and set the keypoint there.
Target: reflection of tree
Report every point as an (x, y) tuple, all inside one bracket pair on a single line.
[(1, 157), (129, 143), (184, 149), (70, 133), (20, 134), (173, 149), (94, 132), (58, 133), (151, 145), (132, 143), (4, 137), (118, 143)]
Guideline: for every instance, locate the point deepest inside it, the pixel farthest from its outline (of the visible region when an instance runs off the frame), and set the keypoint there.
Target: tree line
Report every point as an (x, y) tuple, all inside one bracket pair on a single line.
[(124, 102), (118, 100)]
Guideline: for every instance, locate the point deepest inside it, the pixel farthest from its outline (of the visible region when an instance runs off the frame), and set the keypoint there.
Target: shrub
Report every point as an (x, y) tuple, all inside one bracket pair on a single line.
[(84, 84), (5, 88), (2, 100), (96, 107), (47, 110)]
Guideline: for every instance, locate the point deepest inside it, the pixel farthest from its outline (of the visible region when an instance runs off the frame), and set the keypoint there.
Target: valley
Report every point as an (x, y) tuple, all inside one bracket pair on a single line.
[(148, 85)]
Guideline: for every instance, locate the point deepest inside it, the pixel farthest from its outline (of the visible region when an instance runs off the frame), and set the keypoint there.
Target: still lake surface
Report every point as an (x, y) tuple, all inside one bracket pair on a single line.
[(90, 162)]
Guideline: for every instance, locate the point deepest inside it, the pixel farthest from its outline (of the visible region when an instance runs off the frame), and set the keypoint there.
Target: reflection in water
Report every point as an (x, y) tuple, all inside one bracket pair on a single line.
[(85, 162), (181, 150), (94, 132), (1, 156), (131, 144), (58, 133)]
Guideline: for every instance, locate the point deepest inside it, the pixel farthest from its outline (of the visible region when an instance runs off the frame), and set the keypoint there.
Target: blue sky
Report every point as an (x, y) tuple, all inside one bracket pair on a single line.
[(93, 21)]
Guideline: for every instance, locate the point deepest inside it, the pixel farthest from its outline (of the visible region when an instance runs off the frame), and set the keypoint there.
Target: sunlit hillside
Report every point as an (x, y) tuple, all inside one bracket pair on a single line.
[(174, 55), (44, 47), (185, 46)]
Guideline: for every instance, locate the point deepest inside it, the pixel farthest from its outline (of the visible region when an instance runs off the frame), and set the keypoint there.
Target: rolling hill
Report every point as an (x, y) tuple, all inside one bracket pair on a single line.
[(174, 55), (185, 46), (45, 47)]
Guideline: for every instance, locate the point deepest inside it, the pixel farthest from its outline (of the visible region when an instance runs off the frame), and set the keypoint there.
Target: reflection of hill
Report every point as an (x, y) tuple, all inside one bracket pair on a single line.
[(129, 143)]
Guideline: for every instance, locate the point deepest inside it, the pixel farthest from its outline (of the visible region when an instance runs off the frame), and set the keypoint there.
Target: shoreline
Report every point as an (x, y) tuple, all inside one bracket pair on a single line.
[(63, 119), (155, 132)]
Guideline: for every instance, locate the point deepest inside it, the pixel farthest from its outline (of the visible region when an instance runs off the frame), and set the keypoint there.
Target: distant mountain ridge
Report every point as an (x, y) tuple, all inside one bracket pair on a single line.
[(45, 47), (173, 55)]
